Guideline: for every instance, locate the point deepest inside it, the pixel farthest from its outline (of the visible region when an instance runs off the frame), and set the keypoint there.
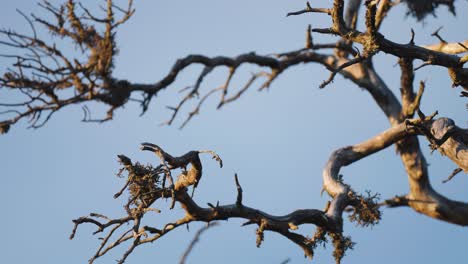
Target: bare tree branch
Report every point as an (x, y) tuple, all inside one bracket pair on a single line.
[(145, 187), (195, 240), (42, 71)]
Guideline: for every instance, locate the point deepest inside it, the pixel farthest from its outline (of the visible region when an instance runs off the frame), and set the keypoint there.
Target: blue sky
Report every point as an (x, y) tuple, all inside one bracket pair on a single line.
[(277, 141)]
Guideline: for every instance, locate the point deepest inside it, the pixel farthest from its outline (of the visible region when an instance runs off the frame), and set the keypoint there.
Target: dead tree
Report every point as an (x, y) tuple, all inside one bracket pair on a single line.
[(43, 74)]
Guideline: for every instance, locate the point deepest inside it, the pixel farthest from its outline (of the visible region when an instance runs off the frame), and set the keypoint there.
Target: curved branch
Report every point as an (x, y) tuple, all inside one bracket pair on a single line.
[(332, 181), (422, 197), (373, 41), (145, 188)]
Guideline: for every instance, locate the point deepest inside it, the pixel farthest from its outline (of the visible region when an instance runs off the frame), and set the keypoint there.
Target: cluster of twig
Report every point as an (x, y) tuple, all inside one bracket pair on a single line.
[(50, 78), (145, 185), (42, 71)]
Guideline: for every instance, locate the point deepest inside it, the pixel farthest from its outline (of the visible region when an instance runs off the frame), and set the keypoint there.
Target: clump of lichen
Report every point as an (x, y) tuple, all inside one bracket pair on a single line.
[(341, 244), (143, 182), (319, 237), (144, 186), (421, 8), (260, 236), (366, 210)]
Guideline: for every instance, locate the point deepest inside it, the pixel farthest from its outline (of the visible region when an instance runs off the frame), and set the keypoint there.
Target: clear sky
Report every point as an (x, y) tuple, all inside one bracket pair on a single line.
[(277, 141)]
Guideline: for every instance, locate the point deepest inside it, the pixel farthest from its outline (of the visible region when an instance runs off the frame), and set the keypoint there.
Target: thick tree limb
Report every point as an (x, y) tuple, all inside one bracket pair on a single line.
[(422, 197), (412, 157), (373, 42), (146, 188)]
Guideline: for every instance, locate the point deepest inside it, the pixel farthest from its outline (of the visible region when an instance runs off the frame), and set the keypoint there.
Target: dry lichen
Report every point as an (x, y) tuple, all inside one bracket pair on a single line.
[(341, 244), (366, 210), (143, 182)]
